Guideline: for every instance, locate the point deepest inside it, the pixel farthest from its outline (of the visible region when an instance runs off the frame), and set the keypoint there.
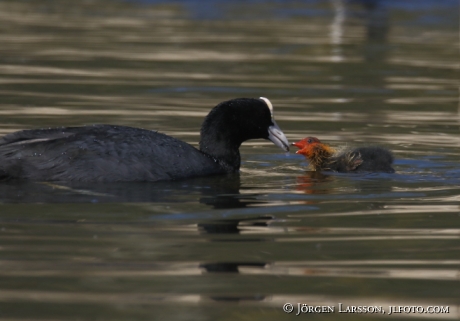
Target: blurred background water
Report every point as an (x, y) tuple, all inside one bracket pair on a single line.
[(236, 247)]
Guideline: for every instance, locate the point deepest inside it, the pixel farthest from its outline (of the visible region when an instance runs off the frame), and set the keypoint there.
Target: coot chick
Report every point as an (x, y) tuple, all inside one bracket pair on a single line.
[(107, 153), (322, 157)]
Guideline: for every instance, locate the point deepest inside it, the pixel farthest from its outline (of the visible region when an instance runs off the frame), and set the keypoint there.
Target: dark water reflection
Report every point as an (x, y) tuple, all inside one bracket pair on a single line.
[(240, 246)]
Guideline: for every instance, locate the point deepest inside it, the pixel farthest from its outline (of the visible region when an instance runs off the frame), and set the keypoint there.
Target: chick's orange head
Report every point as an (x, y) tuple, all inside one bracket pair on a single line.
[(306, 145)]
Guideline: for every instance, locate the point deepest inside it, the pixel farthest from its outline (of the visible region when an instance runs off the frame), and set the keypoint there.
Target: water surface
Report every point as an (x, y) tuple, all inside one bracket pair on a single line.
[(236, 247)]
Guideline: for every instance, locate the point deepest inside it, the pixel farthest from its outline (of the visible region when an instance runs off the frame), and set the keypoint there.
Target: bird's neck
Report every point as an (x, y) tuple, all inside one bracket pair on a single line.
[(224, 151), (321, 157)]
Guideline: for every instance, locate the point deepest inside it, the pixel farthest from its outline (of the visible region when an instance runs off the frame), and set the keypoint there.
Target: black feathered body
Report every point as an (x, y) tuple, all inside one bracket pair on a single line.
[(362, 159), (100, 153), (107, 153)]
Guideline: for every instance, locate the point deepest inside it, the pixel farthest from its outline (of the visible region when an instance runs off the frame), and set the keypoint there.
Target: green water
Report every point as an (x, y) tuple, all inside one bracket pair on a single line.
[(236, 247)]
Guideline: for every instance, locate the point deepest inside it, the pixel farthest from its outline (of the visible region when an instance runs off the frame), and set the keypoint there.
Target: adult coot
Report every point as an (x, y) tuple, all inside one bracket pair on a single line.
[(108, 153), (322, 157)]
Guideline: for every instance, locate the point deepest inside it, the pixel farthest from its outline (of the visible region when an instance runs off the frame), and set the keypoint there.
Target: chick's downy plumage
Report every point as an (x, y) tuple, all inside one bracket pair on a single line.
[(322, 157)]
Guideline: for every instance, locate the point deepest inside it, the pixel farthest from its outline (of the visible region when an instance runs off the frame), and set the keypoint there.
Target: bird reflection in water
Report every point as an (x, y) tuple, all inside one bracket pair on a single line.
[(227, 196), (311, 183)]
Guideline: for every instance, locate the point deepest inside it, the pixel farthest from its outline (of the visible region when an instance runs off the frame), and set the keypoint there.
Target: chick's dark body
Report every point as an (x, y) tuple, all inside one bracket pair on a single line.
[(371, 159)]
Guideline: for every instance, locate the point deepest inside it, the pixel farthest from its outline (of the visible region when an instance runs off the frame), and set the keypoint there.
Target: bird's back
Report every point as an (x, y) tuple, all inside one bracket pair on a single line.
[(100, 153), (375, 159)]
